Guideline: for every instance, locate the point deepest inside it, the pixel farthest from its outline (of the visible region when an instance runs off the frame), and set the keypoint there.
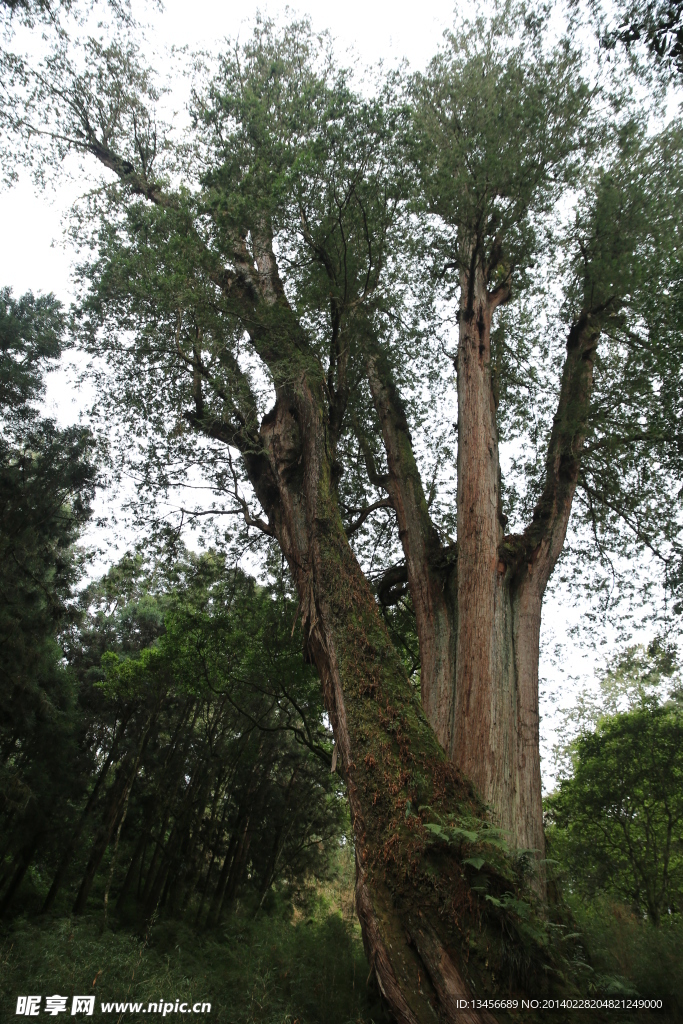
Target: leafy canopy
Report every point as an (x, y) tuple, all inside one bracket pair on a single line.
[(616, 822)]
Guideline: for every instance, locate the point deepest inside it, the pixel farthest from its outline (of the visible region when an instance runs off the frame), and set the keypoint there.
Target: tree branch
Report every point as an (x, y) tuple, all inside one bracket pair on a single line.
[(542, 541), (365, 512)]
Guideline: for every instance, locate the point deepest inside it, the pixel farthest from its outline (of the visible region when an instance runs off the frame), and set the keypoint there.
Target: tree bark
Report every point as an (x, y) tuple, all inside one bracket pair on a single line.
[(389, 753), (483, 739), (502, 581), (529, 561), (430, 569)]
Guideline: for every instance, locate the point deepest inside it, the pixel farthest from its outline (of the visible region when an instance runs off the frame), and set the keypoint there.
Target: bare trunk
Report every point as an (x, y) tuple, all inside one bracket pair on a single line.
[(478, 622), (430, 569), (526, 819), (502, 581), (484, 744), (116, 808), (21, 864), (100, 844)]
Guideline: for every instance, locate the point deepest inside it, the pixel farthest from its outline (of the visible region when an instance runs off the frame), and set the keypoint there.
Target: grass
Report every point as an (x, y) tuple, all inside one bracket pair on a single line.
[(297, 960), (629, 956), (287, 963)]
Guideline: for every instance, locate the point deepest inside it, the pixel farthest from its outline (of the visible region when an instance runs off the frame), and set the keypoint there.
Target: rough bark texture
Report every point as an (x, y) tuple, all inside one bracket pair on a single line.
[(430, 570), (478, 608), (481, 745), (495, 740), (502, 581), (389, 753), (534, 556), (384, 740)]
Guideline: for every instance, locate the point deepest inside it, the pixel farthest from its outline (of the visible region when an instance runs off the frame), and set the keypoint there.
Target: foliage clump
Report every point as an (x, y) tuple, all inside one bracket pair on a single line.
[(265, 967)]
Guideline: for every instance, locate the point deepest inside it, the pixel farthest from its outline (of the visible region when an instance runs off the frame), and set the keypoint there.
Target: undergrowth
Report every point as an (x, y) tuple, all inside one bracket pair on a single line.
[(301, 962), (298, 959), (630, 957)]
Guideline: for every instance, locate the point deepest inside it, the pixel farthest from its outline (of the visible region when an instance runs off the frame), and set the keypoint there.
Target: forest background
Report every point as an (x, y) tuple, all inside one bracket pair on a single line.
[(166, 654)]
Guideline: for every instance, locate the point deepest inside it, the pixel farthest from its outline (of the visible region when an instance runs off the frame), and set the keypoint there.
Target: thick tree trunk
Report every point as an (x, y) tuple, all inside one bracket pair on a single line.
[(481, 613), (529, 562), (389, 753), (496, 737), (478, 622), (413, 897), (502, 581), (390, 757), (478, 606)]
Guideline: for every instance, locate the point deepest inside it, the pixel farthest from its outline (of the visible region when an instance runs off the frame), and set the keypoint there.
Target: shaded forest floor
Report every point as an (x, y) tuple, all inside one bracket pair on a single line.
[(288, 963), (300, 964), (299, 960)]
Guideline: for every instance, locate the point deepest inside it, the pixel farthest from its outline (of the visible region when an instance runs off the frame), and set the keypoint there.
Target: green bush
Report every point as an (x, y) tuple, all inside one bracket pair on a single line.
[(629, 956), (262, 969)]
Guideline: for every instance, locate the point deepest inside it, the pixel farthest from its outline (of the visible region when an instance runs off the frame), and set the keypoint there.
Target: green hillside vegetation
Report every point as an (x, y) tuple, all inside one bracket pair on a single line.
[(615, 826)]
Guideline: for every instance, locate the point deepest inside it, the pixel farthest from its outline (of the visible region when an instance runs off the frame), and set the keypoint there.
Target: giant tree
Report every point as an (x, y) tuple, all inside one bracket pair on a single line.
[(266, 289), (500, 128)]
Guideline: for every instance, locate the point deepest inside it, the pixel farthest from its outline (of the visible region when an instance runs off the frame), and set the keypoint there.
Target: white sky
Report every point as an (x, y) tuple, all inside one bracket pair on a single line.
[(34, 257)]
